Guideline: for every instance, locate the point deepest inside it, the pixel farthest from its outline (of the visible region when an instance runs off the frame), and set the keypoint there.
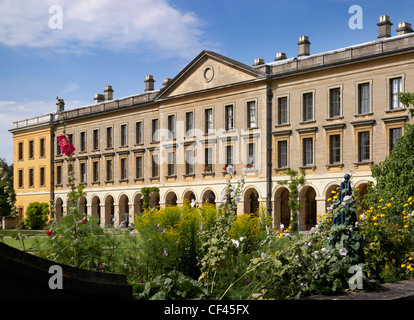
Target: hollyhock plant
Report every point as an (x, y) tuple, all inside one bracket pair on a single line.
[(62, 140), (68, 149)]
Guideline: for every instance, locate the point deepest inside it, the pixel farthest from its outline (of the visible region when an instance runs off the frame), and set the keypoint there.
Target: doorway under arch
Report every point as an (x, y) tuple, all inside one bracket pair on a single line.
[(281, 207), (251, 201), (96, 208), (171, 199), (123, 211), (308, 216), (109, 211)]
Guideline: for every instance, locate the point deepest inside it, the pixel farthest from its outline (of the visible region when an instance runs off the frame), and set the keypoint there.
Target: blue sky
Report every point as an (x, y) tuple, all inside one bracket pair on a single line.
[(110, 42)]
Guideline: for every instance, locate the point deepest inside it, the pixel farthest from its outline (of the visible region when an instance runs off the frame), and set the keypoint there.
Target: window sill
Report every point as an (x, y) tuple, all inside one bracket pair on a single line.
[(281, 169), (363, 163), (123, 180), (400, 109), (171, 176), (310, 166), (208, 173), (224, 172), (189, 175), (154, 178), (334, 118), (138, 179), (282, 125), (334, 165), (363, 114), (307, 121)]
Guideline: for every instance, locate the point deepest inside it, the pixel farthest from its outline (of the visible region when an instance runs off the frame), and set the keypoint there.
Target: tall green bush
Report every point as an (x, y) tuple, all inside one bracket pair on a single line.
[(36, 215)]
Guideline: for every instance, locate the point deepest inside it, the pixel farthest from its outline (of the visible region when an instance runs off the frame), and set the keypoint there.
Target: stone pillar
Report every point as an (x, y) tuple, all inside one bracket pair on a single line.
[(320, 207)]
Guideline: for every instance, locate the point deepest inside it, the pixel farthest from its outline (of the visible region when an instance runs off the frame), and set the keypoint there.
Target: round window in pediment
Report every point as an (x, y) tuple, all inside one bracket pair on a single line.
[(208, 74)]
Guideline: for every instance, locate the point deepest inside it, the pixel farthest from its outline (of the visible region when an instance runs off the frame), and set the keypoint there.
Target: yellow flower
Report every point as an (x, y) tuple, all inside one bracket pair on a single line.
[(359, 208), (410, 198), (410, 258), (406, 205), (376, 223), (403, 265), (381, 200), (372, 208), (406, 226), (392, 199), (329, 199), (389, 205), (335, 197)]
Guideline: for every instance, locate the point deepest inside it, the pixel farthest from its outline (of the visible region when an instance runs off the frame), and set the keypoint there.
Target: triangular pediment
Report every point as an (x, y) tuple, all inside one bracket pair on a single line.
[(209, 71)]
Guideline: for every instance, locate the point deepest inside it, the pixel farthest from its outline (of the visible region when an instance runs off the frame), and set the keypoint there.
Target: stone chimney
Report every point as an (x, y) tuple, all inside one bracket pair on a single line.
[(149, 83), (404, 28), (384, 27), (304, 46), (166, 81), (258, 62), (280, 56), (99, 98), (109, 93)]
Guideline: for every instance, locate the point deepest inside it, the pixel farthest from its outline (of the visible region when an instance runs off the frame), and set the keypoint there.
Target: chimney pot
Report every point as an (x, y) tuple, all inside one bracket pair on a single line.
[(304, 46), (258, 62), (166, 81), (99, 98), (149, 83), (404, 28), (109, 93), (280, 56), (384, 27)]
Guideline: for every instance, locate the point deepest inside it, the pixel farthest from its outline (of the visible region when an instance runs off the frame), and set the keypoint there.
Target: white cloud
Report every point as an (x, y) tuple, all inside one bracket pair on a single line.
[(87, 25)]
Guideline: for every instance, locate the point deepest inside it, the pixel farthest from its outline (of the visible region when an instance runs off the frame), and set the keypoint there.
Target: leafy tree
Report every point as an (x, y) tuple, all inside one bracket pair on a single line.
[(36, 215), (394, 176), (7, 194)]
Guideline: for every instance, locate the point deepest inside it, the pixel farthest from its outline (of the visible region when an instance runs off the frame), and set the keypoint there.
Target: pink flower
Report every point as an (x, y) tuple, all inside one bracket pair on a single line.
[(84, 220), (62, 140), (68, 149), (49, 232)]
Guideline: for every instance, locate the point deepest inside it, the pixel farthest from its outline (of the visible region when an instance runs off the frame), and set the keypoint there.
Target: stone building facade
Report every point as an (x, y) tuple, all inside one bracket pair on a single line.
[(330, 113)]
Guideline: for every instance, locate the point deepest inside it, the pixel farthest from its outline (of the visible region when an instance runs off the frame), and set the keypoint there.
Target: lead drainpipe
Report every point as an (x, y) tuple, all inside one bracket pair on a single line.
[(269, 94)]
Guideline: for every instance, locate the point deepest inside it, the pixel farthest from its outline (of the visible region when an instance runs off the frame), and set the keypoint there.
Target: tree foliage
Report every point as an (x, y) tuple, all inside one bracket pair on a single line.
[(395, 175)]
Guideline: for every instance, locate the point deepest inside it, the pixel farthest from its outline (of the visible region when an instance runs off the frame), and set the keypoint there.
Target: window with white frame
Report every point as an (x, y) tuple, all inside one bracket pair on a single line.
[(395, 88), (251, 114)]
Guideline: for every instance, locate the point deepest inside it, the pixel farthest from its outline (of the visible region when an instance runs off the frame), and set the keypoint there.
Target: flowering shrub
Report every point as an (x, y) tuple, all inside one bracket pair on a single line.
[(388, 230), (169, 239)]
